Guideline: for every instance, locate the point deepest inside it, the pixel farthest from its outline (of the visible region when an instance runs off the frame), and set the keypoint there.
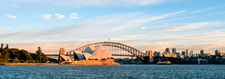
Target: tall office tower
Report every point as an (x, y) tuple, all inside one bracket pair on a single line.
[(150, 53), (178, 55), (155, 53), (167, 50), (188, 53), (174, 50), (202, 52), (160, 54), (184, 53), (217, 52), (147, 53), (192, 52)]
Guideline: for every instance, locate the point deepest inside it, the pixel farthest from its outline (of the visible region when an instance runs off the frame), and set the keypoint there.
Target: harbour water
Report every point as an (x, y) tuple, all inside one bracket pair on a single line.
[(112, 71)]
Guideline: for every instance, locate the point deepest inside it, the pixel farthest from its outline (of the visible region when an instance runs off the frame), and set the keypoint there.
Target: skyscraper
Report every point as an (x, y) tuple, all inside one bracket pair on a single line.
[(192, 52), (174, 50), (217, 52), (188, 53), (184, 53), (167, 50), (147, 53), (150, 53), (202, 52)]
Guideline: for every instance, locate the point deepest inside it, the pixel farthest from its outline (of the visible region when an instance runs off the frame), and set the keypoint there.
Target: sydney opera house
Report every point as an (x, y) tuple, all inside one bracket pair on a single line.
[(90, 53), (90, 56)]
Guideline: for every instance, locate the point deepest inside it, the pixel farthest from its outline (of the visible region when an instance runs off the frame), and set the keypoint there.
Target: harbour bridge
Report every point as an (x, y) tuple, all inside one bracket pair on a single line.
[(117, 49)]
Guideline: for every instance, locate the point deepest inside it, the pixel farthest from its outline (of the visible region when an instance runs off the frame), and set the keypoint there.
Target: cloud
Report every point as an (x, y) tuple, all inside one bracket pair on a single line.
[(15, 6), (46, 16), (206, 9), (115, 22), (79, 3), (10, 16), (74, 16), (132, 36), (143, 27), (58, 16), (189, 26), (10, 34)]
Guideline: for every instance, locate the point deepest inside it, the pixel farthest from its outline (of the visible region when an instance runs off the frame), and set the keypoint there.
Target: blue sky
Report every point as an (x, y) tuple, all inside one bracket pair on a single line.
[(143, 24)]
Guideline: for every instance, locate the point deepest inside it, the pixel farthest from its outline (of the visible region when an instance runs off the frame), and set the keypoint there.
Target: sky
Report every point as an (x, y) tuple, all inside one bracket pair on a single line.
[(142, 24)]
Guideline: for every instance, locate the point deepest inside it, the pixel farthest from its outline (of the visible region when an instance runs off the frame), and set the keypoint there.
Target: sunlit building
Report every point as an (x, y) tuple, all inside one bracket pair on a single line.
[(187, 53), (62, 56), (174, 50), (90, 53), (184, 53), (202, 52), (167, 50), (191, 53)]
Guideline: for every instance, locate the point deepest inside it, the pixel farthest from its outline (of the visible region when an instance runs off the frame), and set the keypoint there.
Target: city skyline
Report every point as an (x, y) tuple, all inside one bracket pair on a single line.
[(143, 24)]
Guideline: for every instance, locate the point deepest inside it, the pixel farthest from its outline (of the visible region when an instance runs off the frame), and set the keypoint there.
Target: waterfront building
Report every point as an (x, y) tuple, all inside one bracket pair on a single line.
[(160, 54), (187, 53), (219, 53), (167, 50), (178, 55), (182, 56), (62, 57), (150, 53), (184, 53), (155, 53), (174, 50), (202, 52), (78, 55), (147, 53), (90, 53), (191, 53)]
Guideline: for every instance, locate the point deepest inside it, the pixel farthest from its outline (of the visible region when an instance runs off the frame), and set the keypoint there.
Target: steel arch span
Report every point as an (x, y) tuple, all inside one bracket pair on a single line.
[(132, 50)]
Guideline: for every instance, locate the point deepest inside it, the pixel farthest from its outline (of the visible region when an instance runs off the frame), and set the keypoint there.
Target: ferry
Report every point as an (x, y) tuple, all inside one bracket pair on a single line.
[(163, 63)]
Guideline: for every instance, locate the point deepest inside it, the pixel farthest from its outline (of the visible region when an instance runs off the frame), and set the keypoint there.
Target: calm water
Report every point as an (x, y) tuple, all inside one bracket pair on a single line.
[(120, 71)]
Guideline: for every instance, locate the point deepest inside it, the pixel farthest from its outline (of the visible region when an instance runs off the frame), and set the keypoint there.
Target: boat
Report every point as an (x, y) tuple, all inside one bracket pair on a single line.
[(163, 63)]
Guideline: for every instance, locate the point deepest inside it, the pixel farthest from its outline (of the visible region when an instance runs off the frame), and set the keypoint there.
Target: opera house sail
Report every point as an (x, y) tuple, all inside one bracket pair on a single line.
[(90, 53)]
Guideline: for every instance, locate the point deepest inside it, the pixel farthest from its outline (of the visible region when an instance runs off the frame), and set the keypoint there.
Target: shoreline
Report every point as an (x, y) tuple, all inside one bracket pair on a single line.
[(29, 64)]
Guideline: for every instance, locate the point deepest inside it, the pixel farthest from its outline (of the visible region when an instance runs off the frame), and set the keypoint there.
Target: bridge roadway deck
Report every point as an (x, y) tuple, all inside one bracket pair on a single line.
[(72, 55)]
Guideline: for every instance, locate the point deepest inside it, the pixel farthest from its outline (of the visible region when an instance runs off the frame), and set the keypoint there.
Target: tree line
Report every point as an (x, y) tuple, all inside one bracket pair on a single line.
[(23, 56)]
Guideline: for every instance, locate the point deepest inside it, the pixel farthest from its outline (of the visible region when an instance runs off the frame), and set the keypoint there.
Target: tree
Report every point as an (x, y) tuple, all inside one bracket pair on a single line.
[(1, 55), (14, 53), (7, 47), (1, 45), (44, 58), (5, 53), (24, 55), (39, 54)]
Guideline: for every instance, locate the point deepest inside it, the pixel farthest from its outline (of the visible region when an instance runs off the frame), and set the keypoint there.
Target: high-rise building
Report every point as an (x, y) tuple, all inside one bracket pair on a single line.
[(167, 50), (150, 53), (159, 54), (147, 53), (155, 53), (192, 52), (217, 52), (187, 53), (184, 53), (202, 52), (174, 50)]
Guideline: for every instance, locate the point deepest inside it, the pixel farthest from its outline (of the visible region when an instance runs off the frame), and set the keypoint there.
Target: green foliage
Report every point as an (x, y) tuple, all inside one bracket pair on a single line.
[(24, 55), (1, 45), (5, 54), (6, 47), (39, 52), (11, 55), (44, 58)]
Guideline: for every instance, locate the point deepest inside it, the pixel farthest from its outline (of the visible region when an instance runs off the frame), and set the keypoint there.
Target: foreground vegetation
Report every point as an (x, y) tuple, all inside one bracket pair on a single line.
[(21, 56)]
